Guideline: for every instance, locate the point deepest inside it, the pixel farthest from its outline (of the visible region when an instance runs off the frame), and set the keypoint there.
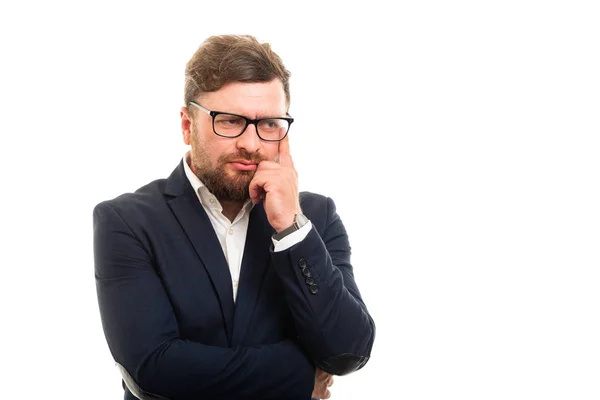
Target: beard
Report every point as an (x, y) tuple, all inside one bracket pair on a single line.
[(221, 183)]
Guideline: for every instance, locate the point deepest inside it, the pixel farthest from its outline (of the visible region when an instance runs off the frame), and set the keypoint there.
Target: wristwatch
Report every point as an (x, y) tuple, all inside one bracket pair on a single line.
[(299, 221)]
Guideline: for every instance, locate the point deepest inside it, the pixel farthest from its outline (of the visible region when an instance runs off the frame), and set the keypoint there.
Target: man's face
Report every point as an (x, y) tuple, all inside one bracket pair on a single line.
[(213, 158)]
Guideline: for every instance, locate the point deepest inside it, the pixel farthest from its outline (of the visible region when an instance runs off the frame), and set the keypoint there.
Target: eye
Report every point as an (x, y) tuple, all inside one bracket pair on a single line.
[(229, 120), (271, 124)]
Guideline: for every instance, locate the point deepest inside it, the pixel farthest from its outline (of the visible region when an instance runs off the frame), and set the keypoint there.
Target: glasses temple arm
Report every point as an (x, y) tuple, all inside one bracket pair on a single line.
[(198, 106)]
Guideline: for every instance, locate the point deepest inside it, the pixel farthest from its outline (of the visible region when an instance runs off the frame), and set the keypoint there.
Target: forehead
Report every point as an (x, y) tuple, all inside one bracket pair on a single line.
[(254, 100)]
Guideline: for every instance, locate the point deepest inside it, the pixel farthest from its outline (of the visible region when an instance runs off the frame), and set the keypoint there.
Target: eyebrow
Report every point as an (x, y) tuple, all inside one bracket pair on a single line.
[(266, 116), (257, 117)]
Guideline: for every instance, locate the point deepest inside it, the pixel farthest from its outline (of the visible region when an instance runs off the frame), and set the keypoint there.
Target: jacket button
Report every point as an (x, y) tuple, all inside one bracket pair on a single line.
[(313, 289), (306, 272), (302, 263), (310, 280)]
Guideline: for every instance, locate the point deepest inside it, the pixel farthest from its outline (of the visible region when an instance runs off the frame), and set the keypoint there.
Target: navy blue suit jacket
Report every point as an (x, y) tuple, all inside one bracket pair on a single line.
[(166, 300)]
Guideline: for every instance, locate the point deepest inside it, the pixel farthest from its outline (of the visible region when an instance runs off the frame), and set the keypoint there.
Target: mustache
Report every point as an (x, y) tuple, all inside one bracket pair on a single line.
[(242, 155)]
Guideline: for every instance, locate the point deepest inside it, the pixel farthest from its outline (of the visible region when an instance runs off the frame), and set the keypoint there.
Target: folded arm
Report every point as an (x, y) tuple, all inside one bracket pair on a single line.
[(331, 319), (142, 332)]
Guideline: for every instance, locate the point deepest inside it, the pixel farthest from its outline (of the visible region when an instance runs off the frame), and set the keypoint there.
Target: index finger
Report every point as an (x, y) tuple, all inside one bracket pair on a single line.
[(284, 150)]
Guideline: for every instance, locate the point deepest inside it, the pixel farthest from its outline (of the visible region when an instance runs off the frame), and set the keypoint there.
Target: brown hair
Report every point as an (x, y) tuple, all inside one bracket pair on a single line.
[(232, 58)]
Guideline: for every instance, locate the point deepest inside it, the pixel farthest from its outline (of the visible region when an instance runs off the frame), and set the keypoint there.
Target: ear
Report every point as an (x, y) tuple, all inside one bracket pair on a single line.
[(186, 125)]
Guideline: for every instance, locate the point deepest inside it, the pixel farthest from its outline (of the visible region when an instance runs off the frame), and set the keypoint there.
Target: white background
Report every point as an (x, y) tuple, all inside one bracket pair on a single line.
[(458, 139)]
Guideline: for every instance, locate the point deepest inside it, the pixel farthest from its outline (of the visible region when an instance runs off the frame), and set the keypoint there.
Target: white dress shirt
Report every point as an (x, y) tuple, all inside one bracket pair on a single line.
[(232, 235)]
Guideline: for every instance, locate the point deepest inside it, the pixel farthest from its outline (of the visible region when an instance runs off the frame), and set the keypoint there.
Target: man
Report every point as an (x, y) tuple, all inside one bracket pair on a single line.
[(223, 281)]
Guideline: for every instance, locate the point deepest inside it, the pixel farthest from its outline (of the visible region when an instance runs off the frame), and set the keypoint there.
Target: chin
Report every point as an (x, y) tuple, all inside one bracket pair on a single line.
[(236, 174), (240, 178)]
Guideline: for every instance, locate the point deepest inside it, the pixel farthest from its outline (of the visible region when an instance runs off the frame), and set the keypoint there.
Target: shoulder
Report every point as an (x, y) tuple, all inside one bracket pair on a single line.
[(310, 198), (145, 200), (310, 202), (320, 209)]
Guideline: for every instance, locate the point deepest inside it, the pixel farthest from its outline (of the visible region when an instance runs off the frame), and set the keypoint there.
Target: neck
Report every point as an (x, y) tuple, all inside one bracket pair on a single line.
[(231, 208)]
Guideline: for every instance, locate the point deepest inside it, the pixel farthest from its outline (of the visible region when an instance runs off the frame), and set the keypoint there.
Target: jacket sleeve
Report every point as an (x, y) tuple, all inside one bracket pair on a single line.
[(142, 332), (331, 320)]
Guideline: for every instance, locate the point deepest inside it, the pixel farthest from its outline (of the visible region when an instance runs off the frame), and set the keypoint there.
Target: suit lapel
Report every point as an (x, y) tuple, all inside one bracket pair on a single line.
[(197, 226), (254, 266)]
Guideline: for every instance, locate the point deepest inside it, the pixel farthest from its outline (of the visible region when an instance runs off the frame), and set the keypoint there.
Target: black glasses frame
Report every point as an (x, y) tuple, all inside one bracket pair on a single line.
[(249, 121)]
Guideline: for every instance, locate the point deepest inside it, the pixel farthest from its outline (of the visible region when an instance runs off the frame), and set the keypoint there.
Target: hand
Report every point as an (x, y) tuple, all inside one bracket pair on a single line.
[(322, 382), (277, 183)]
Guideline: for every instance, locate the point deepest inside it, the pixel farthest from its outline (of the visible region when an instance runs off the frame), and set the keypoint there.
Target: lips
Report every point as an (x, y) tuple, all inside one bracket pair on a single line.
[(243, 165)]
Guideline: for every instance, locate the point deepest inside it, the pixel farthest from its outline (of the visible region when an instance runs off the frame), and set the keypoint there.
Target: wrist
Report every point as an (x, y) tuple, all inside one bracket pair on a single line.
[(298, 222), (286, 223), (287, 220)]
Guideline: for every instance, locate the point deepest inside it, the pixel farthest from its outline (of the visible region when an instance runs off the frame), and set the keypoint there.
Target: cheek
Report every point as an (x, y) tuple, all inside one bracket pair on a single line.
[(201, 149), (216, 149)]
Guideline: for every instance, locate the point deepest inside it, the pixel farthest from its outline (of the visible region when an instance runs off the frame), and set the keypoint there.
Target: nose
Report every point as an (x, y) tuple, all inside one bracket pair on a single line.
[(249, 140)]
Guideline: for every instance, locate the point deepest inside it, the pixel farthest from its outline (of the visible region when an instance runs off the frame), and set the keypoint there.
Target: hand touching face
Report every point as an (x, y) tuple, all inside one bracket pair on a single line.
[(277, 184)]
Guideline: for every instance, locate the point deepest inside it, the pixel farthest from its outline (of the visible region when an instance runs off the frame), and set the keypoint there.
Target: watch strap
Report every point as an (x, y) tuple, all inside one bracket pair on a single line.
[(299, 221)]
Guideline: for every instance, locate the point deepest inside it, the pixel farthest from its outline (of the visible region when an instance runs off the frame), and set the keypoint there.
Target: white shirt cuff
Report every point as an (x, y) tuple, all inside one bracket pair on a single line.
[(293, 238)]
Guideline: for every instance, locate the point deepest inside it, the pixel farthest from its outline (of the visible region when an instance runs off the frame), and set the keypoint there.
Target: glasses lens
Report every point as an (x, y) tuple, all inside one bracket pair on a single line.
[(229, 125), (273, 129)]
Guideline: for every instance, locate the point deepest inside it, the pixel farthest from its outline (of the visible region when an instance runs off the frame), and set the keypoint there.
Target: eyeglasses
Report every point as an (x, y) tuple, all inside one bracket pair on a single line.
[(232, 125)]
